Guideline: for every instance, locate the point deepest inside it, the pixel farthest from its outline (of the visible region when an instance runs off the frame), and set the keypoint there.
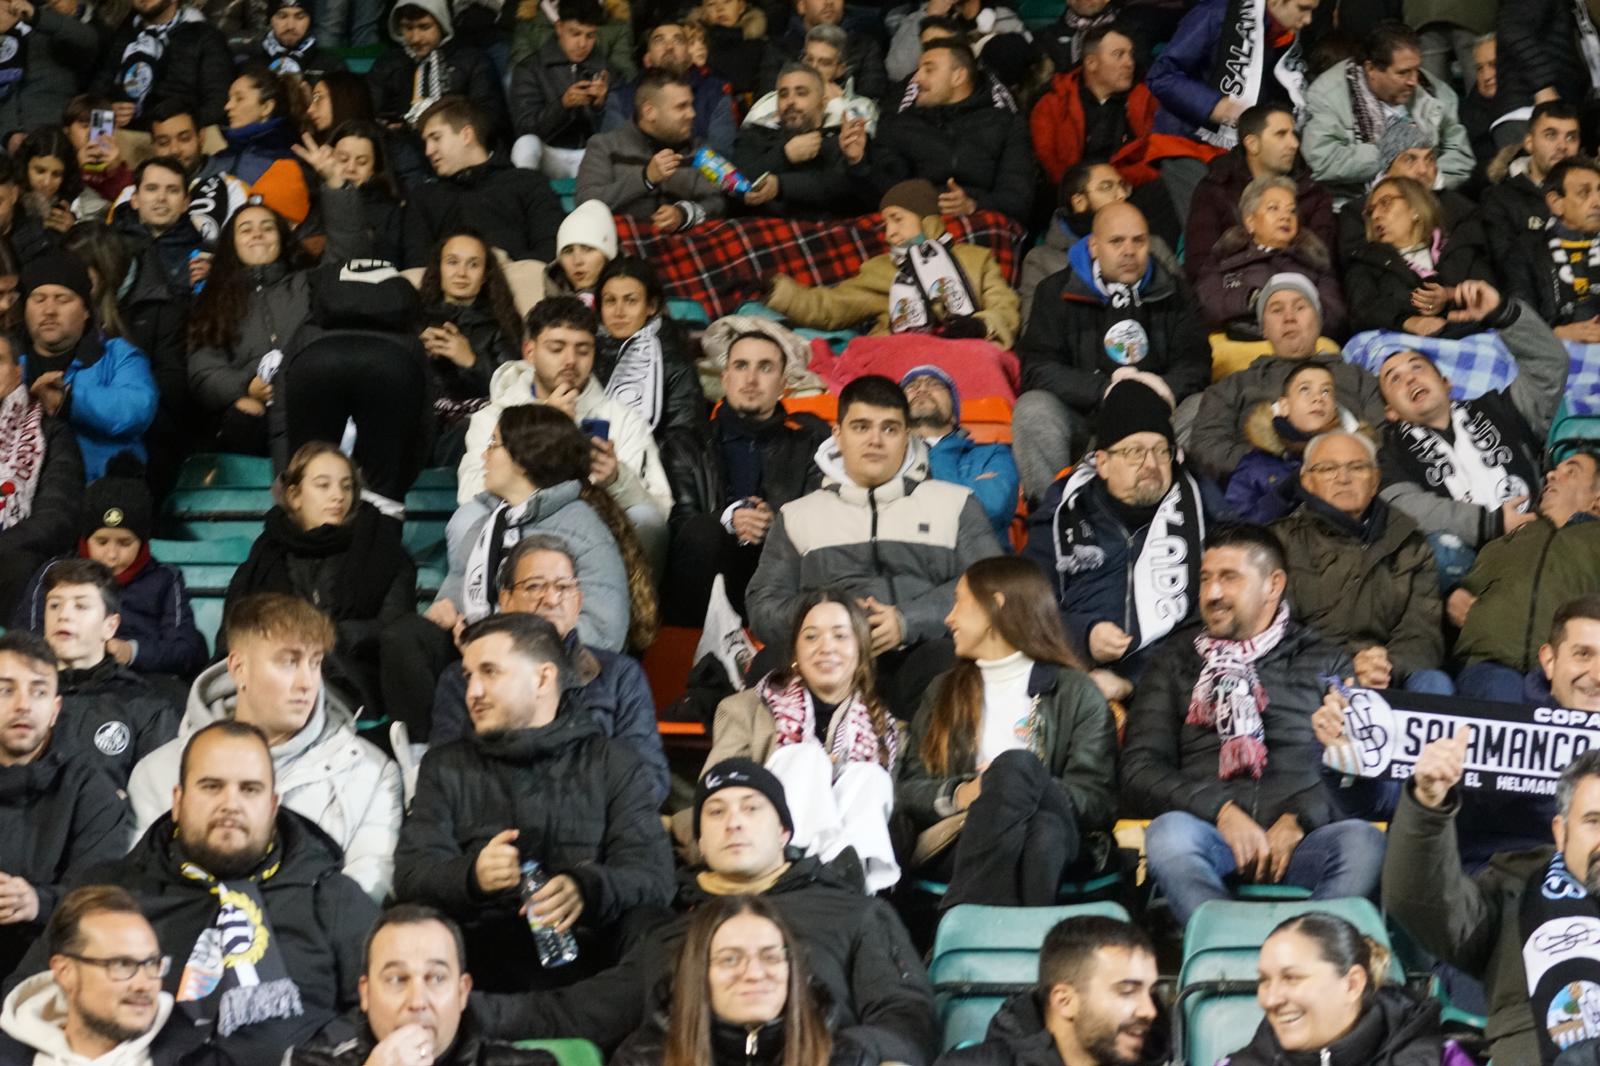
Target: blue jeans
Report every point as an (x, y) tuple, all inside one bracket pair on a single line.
[(1430, 682), (1492, 681), (1190, 860)]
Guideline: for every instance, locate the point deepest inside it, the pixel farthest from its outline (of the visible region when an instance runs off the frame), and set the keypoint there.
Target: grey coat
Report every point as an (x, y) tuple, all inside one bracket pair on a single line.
[(613, 173)]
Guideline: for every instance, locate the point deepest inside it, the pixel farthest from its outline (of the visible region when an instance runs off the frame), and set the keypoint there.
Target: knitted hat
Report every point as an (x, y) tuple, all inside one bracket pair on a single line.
[(928, 370), (57, 268), (741, 773), (1294, 282), (1131, 407), (1398, 137), (916, 195), (274, 6), (119, 500), (592, 224)]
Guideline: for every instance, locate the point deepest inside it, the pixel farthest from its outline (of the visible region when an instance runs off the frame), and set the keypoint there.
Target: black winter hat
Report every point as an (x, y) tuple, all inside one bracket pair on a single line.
[(1131, 407), (57, 268), (741, 773), (120, 500)]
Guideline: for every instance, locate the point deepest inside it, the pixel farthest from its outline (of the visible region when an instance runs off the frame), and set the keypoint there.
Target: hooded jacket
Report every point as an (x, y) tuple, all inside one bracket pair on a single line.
[(640, 478), (515, 208), (32, 1033), (112, 402), (113, 717), (1266, 483), (905, 542), (1170, 765), (981, 147), (988, 470), (1064, 350), (344, 785), (1511, 206), (462, 71), (1394, 1030), (558, 510), (1238, 268), (318, 918), (259, 155), (1215, 207), (58, 814), (866, 295), (1016, 1037), (582, 806)]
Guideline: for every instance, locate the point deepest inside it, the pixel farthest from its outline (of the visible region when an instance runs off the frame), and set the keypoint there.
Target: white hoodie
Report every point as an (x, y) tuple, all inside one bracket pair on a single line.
[(35, 1013)]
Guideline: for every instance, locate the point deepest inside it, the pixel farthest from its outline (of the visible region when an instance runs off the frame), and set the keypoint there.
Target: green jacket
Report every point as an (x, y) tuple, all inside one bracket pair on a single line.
[(614, 42), (1071, 730), (1521, 580), (1358, 595), (1472, 923)]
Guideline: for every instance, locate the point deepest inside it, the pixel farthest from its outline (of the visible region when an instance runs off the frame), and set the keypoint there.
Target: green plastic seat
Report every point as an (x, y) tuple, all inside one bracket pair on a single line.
[(424, 538), (230, 503), (436, 477), (1230, 924), (1271, 893), (567, 1052), (1069, 892), (216, 529), (224, 471), (688, 312), (208, 618), (440, 501), (566, 190), (1219, 1026), (216, 550)]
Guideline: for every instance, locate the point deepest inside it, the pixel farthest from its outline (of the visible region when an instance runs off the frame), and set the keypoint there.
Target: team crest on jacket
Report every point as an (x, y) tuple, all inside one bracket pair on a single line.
[(112, 738)]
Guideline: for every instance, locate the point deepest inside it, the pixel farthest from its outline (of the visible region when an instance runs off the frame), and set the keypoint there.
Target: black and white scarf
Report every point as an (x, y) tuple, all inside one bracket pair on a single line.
[(284, 60), (12, 47), (1228, 696), (927, 274), (137, 71), (1077, 25), (637, 378), (21, 455), (1588, 41), (1371, 120), (1560, 926), (1482, 466), (1242, 52), (1577, 260), (500, 533), (1166, 565)]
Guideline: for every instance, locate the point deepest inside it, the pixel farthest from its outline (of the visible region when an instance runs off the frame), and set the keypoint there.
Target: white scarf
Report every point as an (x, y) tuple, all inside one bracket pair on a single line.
[(1588, 41), (927, 273), (636, 380), (1244, 32), (21, 455), (1118, 293), (1468, 470), (480, 584)]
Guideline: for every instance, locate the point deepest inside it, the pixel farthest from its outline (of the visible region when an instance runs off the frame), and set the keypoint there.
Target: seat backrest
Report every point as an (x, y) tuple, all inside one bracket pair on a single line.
[(1229, 924), (567, 1052), (1219, 1026), (965, 1020)]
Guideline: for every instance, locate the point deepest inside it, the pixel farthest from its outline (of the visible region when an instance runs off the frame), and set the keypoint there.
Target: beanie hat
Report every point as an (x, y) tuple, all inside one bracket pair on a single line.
[(1130, 407), (928, 370), (119, 500), (741, 773), (592, 224), (1295, 282), (916, 195), (275, 6), (57, 268), (1399, 137)]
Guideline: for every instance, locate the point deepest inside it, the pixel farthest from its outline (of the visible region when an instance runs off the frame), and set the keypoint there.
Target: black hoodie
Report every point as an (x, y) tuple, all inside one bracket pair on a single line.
[(1395, 1030), (514, 208)]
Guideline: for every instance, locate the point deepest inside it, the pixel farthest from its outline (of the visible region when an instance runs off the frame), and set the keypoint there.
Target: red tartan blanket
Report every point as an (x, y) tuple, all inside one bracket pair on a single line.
[(725, 263)]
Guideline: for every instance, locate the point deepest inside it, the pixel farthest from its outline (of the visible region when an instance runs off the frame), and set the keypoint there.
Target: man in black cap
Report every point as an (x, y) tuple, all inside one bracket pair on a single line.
[(288, 46), (1122, 533), (101, 386)]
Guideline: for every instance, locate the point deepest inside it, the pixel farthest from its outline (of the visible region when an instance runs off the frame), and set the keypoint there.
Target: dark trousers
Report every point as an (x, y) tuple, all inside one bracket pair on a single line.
[(702, 549), (903, 674), (412, 653), (383, 392), (1021, 833), (17, 568), (241, 434)]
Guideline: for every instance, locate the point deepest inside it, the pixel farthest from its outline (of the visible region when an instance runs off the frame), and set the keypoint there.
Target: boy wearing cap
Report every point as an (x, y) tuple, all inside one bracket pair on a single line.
[(925, 283), (987, 470), (101, 386), (157, 634)]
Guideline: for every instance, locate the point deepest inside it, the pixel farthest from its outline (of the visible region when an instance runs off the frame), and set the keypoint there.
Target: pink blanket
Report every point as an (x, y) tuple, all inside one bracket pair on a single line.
[(980, 368)]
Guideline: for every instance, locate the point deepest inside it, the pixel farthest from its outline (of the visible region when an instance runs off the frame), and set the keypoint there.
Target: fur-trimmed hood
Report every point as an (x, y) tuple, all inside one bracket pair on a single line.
[(1306, 246), (1262, 433)]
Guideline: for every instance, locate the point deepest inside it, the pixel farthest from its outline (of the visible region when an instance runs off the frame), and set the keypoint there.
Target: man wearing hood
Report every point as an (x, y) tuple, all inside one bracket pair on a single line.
[(953, 456), (882, 530), (426, 64), (226, 866), (272, 681), (925, 283), (537, 780), (1114, 309), (58, 811), (166, 50), (101, 998)]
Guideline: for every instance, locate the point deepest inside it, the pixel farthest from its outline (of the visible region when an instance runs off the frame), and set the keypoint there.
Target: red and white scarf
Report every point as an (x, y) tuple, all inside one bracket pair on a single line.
[(1229, 698), (21, 455), (795, 715)]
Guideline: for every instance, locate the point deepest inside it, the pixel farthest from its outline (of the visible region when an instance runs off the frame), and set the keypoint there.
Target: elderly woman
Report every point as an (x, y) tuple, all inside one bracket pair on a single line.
[(1361, 572), (1268, 241)]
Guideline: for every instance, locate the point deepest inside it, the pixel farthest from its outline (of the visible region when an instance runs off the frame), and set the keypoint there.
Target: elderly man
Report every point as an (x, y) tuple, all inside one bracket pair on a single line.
[(859, 58), (953, 456), (1552, 270), (1114, 309), (1354, 106), (41, 461), (819, 170), (1360, 573), (1106, 532), (1220, 746)]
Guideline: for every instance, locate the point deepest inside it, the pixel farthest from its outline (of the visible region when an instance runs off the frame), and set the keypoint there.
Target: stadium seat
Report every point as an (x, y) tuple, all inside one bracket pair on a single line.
[(567, 1052), (224, 471)]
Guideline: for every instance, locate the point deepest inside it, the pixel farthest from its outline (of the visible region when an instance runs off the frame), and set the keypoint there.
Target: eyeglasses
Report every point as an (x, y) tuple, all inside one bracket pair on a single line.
[(539, 589), (1352, 470), (1381, 203), (734, 961), (123, 968), (1136, 454)]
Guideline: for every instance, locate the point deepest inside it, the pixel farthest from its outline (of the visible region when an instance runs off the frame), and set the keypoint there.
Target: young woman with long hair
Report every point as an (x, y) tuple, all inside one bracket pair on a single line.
[(1012, 757), (262, 132), (52, 178), (741, 996), (821, 729), (640, 354)]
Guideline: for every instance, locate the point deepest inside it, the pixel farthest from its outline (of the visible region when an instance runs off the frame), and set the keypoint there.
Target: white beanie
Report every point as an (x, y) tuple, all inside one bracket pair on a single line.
[(590, 224)]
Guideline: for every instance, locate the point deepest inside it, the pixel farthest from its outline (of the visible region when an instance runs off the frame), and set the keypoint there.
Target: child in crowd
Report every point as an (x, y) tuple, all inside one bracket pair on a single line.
[(1263, 485)]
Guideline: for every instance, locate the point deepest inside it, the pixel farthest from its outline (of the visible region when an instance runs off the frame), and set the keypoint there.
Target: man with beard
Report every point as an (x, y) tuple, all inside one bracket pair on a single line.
[(1106, 531), (987, 470), (1514, 205), (1220, 747), (57, 812), (101, 999), (818, 171), (667, 49), (642, 169), (226, 866), (1094, 1005)]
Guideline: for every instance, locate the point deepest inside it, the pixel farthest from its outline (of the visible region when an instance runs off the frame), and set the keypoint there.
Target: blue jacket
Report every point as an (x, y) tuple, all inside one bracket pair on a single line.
[(1262, 487), (1184, 77), (156, 617), (986, 469), (113, 399)]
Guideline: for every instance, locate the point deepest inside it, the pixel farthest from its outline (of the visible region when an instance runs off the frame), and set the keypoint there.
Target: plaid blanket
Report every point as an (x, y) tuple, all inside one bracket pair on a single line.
[(723, 263), (1478, 364)]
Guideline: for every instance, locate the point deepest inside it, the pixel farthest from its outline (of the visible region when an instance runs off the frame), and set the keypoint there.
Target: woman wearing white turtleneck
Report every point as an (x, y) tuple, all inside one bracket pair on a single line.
[(1012, 757)]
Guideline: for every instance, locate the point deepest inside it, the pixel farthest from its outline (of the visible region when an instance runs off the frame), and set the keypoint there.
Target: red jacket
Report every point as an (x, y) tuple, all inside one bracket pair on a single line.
[(1057, 125)]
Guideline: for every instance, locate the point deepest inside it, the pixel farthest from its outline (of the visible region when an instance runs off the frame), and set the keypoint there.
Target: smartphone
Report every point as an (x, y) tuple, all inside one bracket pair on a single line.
[(102, 124), (598, 428)]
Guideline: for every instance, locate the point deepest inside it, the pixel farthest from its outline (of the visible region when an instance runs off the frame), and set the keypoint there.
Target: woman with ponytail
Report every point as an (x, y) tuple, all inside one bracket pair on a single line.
[(821, 729), (1322, 987), (1012, 757)]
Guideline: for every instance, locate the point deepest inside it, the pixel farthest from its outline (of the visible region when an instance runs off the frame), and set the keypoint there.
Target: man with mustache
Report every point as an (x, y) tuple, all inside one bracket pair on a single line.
[(1555, 269), (1221, 750), (819, 169), (101, 997), (1094, 1005)]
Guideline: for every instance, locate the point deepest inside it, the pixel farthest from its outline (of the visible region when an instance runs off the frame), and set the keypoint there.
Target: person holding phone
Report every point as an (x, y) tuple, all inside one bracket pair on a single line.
[(558, 94)]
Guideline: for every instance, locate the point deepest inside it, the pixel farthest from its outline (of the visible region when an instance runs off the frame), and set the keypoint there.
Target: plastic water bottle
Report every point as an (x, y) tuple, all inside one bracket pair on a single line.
[(555, 949)]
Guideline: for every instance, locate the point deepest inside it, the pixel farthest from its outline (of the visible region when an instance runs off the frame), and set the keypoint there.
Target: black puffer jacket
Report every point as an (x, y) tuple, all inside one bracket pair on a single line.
[(824, 186), (1395, 1031), (1510, 209), (514, 207), (195, 69), (1534, 275), (1538, 49), (582, 806), (114, 717), (464, 71), (1379, 282), (489, 343), (698, 471), (683, 402), (1169, 765), (985, 148), (347, 1041), (738, 1045)]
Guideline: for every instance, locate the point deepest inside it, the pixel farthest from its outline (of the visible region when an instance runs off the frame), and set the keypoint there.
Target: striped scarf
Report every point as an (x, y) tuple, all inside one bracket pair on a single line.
[(854, 740), (1228, 696)]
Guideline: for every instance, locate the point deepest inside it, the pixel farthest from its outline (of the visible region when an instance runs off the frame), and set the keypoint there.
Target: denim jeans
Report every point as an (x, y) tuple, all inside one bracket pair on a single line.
[(1430, 682), (1190, 861), (1491, 681)]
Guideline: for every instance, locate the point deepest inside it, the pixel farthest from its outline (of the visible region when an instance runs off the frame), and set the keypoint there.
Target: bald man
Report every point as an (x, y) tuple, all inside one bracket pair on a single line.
[(1113, 310)]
